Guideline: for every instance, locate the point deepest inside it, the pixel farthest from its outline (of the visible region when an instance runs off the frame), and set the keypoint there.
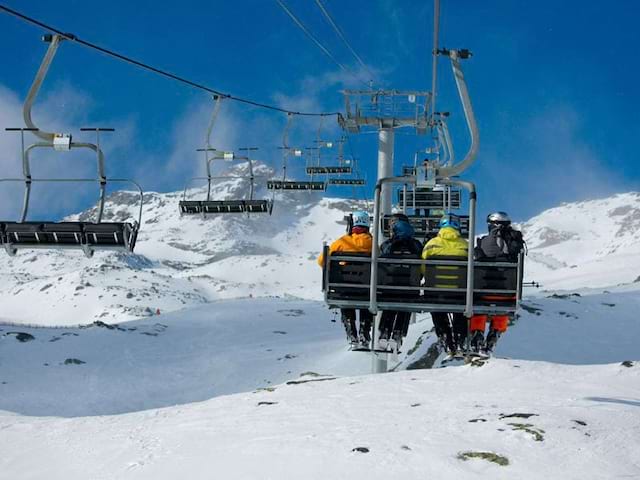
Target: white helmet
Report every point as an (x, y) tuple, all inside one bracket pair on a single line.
[(361, 219)]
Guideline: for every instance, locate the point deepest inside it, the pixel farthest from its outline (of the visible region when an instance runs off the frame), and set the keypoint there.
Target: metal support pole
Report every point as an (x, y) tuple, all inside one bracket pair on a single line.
[(382, 206), (385, 166), (378, 362)]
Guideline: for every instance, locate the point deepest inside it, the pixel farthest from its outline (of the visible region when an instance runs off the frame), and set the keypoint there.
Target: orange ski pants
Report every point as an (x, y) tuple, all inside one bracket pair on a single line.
[(498, 322)]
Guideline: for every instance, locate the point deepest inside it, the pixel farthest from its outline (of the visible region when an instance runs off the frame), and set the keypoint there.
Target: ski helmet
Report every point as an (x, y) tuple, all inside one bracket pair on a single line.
[(450, 220), (498, 219), (361, 219), (402, 229)]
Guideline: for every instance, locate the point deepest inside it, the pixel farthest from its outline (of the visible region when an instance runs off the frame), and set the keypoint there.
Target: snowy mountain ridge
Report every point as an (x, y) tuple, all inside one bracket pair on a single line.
[(184, 261), (594, 243)]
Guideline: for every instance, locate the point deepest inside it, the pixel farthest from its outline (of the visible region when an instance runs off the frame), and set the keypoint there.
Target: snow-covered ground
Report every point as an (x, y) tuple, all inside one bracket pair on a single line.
[(529, 420), (207, 310)]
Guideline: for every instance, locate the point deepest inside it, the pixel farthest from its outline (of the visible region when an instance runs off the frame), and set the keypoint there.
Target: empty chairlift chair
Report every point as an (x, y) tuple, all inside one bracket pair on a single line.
[(292, 185), (207, 206), (88, 236), (276, 184)]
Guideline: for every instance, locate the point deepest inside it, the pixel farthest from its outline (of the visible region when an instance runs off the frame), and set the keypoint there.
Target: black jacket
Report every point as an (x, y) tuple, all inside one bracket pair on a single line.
[(400, 246), (500, 244)]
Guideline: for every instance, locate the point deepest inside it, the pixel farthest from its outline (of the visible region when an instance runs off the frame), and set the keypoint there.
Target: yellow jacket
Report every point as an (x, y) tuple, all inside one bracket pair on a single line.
[(448, 243), (355, 243)]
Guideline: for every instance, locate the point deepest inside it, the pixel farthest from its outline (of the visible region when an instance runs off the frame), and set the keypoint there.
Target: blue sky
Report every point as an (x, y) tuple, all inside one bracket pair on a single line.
[(554, 85)]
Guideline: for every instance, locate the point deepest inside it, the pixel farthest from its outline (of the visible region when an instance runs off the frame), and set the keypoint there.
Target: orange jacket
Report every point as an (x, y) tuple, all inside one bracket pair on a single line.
[(356, 243)]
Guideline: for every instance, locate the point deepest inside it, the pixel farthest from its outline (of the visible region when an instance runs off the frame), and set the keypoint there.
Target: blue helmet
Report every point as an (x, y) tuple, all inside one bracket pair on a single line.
[(402, 229), (450, 220), (361, 219)]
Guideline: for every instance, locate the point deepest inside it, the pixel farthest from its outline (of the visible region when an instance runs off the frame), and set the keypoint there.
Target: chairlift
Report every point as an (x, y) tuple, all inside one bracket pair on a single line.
[(434, 285), (357, 181), (292, 185), (319, 169), (207, 206), (246, 205), (88, 236)]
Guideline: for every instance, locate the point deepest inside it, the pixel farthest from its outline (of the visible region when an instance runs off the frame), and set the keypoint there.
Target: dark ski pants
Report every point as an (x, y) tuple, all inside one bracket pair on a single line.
[(349, 321), (391, 321), (453, 336)]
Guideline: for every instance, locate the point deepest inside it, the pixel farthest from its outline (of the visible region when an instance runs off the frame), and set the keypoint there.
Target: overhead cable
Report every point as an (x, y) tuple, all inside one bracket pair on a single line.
[(158, 71), (339, 32), (310, 35)]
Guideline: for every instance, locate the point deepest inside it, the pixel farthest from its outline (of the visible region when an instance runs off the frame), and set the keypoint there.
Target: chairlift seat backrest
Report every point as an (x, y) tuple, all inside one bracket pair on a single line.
[(398, 275), (293, 185), (349, 273), (318, 170), (225, 206), (117, 234), (426, 226), (428, 199), (70, 234), (347, 181), (43, 233), (449, 280)]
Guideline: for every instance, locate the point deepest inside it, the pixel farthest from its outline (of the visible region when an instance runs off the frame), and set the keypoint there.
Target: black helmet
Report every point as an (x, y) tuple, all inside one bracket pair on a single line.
[(498, 219)]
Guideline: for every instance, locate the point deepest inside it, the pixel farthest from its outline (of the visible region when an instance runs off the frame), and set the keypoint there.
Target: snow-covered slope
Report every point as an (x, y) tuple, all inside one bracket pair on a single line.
[(179, 261), (208, 308), (594, 243), (505, 420)]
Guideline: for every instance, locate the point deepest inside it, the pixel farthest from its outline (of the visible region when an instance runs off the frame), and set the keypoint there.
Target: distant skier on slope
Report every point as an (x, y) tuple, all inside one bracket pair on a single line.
[(357, 240), (448, 243), (502, 243), (395, 325)]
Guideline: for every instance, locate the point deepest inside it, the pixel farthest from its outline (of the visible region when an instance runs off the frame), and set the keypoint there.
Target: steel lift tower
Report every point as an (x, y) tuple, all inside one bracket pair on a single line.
[(384, 111)]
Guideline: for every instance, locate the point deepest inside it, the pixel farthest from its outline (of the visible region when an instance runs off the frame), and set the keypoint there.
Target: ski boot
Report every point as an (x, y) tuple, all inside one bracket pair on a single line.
[(492, 339), (383, 341), (477, 341), (364, 340), (396, 337)]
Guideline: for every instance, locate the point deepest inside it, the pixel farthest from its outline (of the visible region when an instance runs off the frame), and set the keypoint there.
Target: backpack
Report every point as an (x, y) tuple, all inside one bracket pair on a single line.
[(515, 242), (505, 243)]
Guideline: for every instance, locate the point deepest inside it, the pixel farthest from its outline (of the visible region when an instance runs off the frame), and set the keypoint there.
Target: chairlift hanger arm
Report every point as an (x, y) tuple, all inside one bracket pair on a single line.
[(455, 56), (26, 168), (54, 43), (448, 143)]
